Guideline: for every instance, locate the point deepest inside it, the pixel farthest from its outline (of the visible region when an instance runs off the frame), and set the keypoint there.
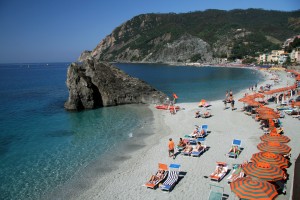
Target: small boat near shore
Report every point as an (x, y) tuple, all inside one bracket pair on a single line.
[(167, 107)]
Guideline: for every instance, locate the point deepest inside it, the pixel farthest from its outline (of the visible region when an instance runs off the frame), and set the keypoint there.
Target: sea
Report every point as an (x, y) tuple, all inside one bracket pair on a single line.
[(43, 147)]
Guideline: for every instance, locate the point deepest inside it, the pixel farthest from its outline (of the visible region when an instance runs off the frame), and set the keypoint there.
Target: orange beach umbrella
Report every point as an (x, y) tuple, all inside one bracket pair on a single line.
[(274, 147), (264, 171), (268, 116), (271, 158), (275, 137), (247, 188), (202, 102), (253, 103)]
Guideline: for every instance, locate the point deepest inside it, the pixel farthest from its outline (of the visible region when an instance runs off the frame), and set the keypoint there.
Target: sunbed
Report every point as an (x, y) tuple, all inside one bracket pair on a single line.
[(154, 184), (198, 153), (236, 173), (222, 167), (216, 192), (202, 150), (204, 127), (172, 178), (235, 144)]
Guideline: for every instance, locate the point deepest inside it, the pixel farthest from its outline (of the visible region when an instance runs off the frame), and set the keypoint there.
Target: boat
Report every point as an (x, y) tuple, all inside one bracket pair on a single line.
[(167, 107)]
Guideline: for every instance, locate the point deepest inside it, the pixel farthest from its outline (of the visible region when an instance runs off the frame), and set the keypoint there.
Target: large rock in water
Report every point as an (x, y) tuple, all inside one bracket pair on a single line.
[(94, 84)]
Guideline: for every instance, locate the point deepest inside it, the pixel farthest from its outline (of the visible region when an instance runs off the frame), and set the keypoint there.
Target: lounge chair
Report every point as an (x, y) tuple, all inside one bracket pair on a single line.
[(186, 151), (236, 144), (198, 153), (172, 178), (193, 141), (220, 172), (236, 173), (155, 183), (204, 127), (216, 192)]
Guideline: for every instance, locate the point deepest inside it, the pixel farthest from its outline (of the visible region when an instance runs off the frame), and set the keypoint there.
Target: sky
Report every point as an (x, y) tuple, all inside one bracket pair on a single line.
[(33, 31)]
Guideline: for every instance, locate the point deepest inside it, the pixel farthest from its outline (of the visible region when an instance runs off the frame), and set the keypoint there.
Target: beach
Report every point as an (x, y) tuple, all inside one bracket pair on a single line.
[(126, 180)]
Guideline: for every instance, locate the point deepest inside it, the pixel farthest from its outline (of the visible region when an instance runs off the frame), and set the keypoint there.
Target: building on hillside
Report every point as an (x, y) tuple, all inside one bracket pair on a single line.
[(263, 58), (274, 56), (283, 58), (295, 55)]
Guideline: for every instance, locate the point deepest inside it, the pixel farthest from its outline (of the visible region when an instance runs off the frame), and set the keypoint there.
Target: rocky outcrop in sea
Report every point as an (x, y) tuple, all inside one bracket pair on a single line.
[(94, 84)]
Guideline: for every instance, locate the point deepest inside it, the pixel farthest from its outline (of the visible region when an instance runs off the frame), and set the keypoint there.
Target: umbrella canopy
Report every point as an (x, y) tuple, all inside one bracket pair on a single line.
[(247, 188), (264, 108), (244, 99), (253, 103), (256, 95), (264, 171), (268, 116), (275, 137), (271, 158), (273, 130), (266, 112), (274, 147)]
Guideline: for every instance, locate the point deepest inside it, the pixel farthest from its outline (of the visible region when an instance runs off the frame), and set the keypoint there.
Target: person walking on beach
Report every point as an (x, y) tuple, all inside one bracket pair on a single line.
[(171, 148)]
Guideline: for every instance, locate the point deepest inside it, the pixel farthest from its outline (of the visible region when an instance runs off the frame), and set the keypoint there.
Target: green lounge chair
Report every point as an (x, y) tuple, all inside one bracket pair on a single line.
[(216, 192)]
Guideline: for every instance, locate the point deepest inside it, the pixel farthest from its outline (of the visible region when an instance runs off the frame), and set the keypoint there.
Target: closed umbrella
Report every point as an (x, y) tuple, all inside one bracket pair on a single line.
[(271, 158), (274, 147), (264, 171), (247, 188), (275, 137)]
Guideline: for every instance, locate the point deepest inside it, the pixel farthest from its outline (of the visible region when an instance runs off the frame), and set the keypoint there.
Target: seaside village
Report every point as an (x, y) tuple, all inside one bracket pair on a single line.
[(285, 55), (266, 174)]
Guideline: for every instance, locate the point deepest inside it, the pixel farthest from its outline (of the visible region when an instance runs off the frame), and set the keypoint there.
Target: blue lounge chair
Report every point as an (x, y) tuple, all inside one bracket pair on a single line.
[(172, 178), (198, 153), (205, 128), (235, 144)]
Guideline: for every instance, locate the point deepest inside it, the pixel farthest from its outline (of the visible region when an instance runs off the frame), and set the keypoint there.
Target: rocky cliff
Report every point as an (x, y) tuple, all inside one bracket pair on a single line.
[(203, 36), (95, 84)]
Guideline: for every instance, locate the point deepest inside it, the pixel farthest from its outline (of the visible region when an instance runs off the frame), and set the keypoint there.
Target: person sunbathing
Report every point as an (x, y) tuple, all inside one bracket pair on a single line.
[(206, 114), (238, 173), (195, 132), (197, 114), (234, 149), (159, 175), (181, 143), (220, 169), (198, 148), (280, 130), (188, 149)]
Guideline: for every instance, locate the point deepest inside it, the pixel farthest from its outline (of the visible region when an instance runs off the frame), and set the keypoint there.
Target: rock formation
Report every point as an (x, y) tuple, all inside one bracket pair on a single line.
[(84, 56), (95, 84)]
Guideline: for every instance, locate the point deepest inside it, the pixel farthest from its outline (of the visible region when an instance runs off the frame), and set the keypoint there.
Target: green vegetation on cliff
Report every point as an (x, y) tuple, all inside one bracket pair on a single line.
[(236, 33)]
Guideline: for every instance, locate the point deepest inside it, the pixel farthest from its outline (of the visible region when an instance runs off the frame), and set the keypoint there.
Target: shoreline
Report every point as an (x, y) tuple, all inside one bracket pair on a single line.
[(126, 180)]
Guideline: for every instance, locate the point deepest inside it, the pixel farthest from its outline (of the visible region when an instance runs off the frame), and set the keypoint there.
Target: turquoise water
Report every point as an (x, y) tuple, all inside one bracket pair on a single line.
[(43, 147), (191, 84)]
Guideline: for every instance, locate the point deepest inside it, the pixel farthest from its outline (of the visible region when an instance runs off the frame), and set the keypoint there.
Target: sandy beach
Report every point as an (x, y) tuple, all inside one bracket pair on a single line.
[(126, 181)]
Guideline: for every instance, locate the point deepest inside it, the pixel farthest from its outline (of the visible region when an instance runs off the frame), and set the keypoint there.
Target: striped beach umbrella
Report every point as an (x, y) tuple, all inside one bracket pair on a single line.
[(264, 171), (273, 130), (274, 147), (275, 137), (247, 188), (271, 158)]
